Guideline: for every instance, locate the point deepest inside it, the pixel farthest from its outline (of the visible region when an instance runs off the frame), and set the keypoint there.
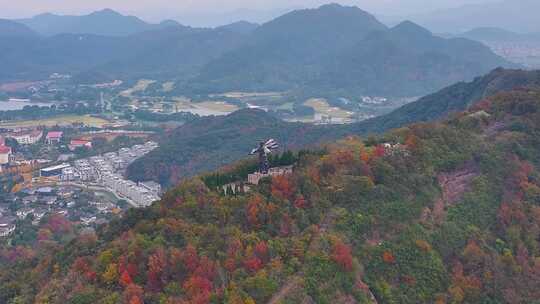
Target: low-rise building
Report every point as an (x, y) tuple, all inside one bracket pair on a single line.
[(79, 143), (38, 215), (5, 154), (27, 137), (24, 212), (7, 225), (53, 137), (55, 171), (151, 186), (254, 178)]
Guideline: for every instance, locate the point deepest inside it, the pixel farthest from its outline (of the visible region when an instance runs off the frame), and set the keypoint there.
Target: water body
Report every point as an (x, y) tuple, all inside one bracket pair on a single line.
[(8, 105)]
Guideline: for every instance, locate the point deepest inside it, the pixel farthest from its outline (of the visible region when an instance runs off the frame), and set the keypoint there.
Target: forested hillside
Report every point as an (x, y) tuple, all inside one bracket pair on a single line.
[(208, 143), (444, 212), (211, 142), (453, 99)]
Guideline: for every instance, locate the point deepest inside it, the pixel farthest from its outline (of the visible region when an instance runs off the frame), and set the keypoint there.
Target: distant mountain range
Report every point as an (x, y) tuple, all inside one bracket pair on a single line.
[(105, 22), (331, 51), (514, 15), (494, 34), (208, 143), (170, 53), (10, 28), (343, 51), (241, 27)]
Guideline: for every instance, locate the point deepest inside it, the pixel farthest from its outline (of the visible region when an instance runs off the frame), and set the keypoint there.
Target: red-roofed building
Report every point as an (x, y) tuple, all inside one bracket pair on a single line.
[(5, 152), (54, 137), (79, 143)]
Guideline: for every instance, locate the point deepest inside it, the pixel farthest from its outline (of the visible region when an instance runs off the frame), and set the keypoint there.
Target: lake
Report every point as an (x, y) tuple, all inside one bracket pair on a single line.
[(7, 105)]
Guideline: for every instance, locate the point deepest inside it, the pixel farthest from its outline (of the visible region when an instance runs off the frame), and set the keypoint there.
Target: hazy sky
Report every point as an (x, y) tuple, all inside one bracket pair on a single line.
[(154, 10)]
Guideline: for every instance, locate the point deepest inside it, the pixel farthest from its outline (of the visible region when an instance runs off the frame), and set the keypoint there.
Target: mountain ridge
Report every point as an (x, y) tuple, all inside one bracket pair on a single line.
[(206, 144), (331, 52), (12, 29), (105, 22)]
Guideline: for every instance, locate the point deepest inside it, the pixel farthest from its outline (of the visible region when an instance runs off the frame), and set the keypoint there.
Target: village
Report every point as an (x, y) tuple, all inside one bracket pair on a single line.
[(51, 173)]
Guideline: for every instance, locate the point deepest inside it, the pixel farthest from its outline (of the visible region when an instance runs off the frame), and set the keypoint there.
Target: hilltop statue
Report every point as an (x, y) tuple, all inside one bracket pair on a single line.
[(264, 148)]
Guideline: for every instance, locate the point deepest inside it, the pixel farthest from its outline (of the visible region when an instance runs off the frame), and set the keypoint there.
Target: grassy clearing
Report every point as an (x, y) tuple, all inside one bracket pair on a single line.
[(250, 94), (219, 106), (141, 85), (167, 86), (322, 107), (214, 106)]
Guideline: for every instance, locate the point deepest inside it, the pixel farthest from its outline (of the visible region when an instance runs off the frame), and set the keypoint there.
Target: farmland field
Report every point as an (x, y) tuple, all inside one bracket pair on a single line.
[(140, 86), (58, 120), (205, 108), (322, 107)]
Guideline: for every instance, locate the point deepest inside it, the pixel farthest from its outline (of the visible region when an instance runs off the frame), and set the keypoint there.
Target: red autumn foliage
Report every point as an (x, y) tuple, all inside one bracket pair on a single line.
[(82, 266), (125, 279), (125, 266), (365, 170), (206, 268), (522, 257), (133, 294), (409, 280), (484, 104), (411, 141), (90, 275), (18, 253), (519, 181), (300, 202), (44, 234), (285, 227), (344, 158), (379, 151), (230, 264), (201, 298), (252, 210), (261, 250), (314, 175), (253, 264), (198, 289), (511, 213), (341, 254), (191, 258), (157, 262), (135, 300), (388, 257), (469, 284), (234, 247), (282, 187), (364, 156), (57, 223)]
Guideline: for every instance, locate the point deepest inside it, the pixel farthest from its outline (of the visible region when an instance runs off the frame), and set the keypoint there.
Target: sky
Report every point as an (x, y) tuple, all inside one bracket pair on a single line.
[(203, 11)]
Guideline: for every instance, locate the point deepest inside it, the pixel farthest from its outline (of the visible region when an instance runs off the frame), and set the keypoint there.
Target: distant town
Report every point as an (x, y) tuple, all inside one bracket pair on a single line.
[(59, 171)]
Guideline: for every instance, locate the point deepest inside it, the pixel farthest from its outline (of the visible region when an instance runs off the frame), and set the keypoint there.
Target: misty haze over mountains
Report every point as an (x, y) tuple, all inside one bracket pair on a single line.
[(105, 22), (513, 15), (332, 50)]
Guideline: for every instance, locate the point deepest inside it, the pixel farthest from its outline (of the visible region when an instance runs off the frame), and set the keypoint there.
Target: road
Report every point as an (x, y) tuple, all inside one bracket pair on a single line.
[(100, 188)]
